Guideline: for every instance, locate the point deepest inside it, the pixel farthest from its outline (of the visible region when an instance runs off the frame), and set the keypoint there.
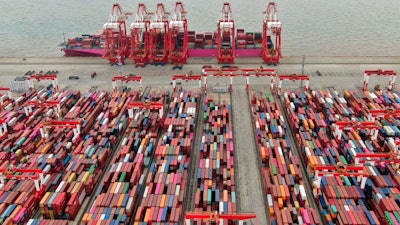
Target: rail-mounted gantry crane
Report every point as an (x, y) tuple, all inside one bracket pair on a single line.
[(13, 172), (116, 45), (178, 36), (226, 35), (271, 36), (218, 217), (140, 36), (379, 72), (293, 77), (159, 36), (5, 96)]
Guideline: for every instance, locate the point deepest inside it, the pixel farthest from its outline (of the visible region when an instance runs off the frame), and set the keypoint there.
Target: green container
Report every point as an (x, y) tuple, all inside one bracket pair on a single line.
[(209, 196), (268, 97), (274, 170), (126, 188), (91, 169), (346, 181), (389, 218), (344, 160), (122, 177)]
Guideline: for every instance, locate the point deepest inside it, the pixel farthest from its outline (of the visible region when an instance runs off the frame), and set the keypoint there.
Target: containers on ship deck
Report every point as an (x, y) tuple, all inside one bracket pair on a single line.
[(282, 176)]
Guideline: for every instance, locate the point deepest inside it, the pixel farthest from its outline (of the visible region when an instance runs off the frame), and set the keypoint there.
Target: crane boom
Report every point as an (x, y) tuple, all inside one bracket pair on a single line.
[(178, 36), (159, 36), (271, 37), (116, 38), (226, 35), (140, 36)]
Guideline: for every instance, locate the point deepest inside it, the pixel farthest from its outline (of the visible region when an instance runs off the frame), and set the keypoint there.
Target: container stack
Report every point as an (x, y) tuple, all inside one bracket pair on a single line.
[(164, 192), (24, 148), (216, 190), (383, 184), (208, 39), (191, 37), (44, 221), (78, 42), (250, 38), (19, 84), (87, 43), (199, 40), (86, 160), (118, 192), (240, 38), (283, 179), (342, 198), (258, 37)]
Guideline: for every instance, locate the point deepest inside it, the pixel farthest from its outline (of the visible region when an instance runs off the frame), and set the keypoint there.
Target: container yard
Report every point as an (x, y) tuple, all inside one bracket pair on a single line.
[(177, 154)]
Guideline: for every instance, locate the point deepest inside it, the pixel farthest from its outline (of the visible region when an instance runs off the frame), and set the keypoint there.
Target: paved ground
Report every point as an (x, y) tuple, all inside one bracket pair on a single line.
[(340, 76), (248, 174)]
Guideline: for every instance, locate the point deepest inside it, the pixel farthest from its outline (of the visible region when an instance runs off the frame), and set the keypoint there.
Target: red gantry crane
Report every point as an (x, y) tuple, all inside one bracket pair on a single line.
[(116, 44), (49, 124), (235, 72), (53, 105), (186, 78), (226, 35), (352, 125), (36, 175), (385, 113), (2, 96), (159, 36), (47, 76), (337, 171), (392, 74), (146, 105), (126, 79), (217, 217), (271, 36), (3, 129), (140, 36), (178, 37), (293, 77)]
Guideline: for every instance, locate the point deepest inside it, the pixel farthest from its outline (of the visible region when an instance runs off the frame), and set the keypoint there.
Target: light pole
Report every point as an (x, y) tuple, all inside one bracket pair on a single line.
[(119, 65), (302, 69), (302, 64)]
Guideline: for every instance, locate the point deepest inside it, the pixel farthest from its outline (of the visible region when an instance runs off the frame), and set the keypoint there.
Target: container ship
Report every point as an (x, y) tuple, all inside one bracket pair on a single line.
[(160, 37)]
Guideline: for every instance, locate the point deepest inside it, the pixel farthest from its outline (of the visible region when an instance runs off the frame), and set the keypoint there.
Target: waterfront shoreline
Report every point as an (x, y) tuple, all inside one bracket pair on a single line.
[(200, 60)]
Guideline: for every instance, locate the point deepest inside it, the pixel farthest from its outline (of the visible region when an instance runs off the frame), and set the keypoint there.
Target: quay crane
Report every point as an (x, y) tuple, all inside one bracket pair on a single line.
[(226, 35), (159, 36), (116, 44), (140, 36), (178, 37), (271, 36)]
